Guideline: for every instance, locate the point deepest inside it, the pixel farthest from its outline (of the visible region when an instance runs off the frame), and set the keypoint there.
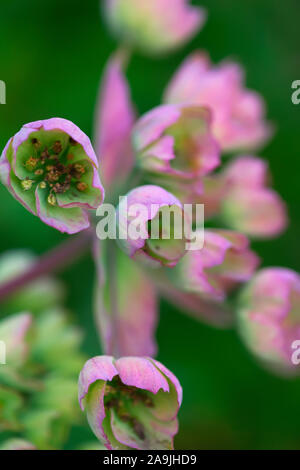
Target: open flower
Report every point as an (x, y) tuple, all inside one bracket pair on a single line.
[(147, 230), (238, 114), (176, 142), (269, 317), (51, 168), (223, 263), (155, 26), (131, 403)]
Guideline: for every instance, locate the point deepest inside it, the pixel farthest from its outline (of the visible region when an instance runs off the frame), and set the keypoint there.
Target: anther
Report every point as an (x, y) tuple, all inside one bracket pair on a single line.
[(27, 184), (57, 147), (82, 186), (31, 163), (52, 199)]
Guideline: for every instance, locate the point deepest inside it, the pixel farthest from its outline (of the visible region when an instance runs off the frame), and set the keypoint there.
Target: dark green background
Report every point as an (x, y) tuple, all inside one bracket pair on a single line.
[(52, 53)]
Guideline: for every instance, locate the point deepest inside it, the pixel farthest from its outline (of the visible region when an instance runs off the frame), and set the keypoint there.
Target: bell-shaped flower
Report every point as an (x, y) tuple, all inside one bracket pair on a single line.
[(238, 113), (153, 227), (51, 168), (269, 319), (131, 402), (155, 26), (223, 263), (176, 144)]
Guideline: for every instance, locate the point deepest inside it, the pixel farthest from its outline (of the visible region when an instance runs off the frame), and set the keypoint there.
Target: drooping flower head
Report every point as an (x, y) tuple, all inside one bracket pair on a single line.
[(152, 226), (175, 142), (224, 262), (155, 26), (51, 168), (131, 403), (238, 114), (269, 317)]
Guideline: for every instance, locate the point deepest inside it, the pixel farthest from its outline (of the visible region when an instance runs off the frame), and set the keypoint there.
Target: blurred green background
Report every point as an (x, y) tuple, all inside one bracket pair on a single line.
[(52, 54)]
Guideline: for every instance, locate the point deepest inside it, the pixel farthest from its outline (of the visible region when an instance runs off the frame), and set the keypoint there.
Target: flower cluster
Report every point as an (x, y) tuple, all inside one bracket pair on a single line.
[(170, 156)]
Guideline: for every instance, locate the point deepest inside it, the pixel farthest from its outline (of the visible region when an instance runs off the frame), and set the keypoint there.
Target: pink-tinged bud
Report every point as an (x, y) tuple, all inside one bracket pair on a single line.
[(131, 403), (152, 226), (269, 318), (238, 114), (156, 26), (175, 142), (126, 306), (51, 168), (114, 121), (224, 262), (247, 203)]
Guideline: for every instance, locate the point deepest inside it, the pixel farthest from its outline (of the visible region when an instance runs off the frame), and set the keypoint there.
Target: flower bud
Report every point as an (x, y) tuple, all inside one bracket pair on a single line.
[(248, 204), (50, 167), (131, 403), (241, 196), (155, 26), (114, 121), (239, 114), (269, 318)]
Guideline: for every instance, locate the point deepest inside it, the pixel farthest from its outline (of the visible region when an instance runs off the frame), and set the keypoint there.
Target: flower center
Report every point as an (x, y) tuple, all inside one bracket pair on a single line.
[(123, 399), (52, 167)]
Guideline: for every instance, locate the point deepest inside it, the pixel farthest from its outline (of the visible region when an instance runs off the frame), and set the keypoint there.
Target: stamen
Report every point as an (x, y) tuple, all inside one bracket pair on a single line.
[(44, 156), (31, 163), (52, 199), (82, 186), (43, 184), (39, 172), (79, 168), (57, 147), (27, 184)]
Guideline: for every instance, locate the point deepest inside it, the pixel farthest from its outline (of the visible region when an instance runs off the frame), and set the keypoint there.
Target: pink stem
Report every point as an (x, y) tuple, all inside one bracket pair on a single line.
[(56, 259)]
